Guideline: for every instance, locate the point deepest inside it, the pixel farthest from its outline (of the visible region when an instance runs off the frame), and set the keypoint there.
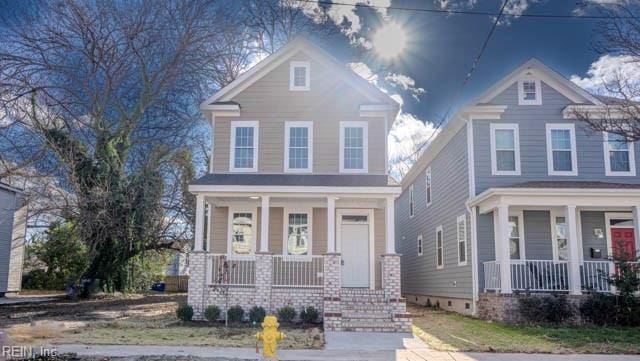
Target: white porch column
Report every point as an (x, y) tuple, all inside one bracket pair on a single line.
[(331, 224), (199, 226), (264, 225), (636, 225), (575, 286), (390, 225), (503, 250)]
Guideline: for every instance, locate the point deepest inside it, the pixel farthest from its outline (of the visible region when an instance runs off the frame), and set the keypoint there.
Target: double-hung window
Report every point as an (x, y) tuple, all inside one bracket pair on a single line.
[(461, 230), (298, 153), (353, 147), (561, 149), (297, 240), (439, 248), (505, 149), (244, 146), (299, 75), (529, 92), (242, 232), (619, 158), (428, 186), (420, 245), (411, 204)]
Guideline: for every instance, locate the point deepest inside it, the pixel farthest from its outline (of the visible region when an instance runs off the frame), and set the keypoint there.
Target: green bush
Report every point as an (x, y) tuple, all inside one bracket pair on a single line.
[(35, 280), (286, 314), (184, 312), (599, 309), (309, 315), (553, 309), (235, 314), (257, 314), (212, 313)]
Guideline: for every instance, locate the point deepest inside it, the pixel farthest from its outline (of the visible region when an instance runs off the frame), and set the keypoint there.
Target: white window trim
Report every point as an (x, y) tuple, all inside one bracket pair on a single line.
[(462, 219), (287, 139), (365, 145), (285, 231), (439, 229), (520, 215), (554, 240), (412, 204), (232, 153), (607, 160), (574, 153), (420, 245), (299, 64), (537, 100), (254, 225), (428, 186), (516, 144)]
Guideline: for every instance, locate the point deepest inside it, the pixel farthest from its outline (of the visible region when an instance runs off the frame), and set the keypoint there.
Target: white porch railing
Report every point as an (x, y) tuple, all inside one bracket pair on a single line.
[(593, 276), (531, 275), (492, 275), (231, 271), (307, 271)]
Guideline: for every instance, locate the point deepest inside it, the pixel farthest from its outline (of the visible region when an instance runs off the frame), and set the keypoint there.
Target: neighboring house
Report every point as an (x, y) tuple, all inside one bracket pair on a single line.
[(13, 219), (515, 194), (297, 198)]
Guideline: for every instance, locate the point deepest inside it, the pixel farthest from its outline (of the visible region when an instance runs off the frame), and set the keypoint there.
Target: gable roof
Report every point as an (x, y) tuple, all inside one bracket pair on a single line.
[(10, 188), (299, 44)]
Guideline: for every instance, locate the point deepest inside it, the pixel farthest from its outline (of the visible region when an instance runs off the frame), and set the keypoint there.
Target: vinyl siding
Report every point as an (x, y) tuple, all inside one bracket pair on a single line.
[(486, 244), (537, 235), (591, 220), (449, 196), (13, 212)]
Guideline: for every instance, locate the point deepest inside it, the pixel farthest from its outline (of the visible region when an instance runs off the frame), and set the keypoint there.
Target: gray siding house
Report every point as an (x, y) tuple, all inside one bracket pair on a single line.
[(13, 218), (515, 194)]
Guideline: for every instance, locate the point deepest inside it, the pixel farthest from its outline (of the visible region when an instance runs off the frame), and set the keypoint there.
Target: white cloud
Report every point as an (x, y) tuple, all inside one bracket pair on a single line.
[(607, 69), (406, 83), (406, 142)]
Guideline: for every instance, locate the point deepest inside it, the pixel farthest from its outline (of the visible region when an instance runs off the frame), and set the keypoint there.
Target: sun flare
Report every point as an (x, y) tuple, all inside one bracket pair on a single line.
[(389, 41)]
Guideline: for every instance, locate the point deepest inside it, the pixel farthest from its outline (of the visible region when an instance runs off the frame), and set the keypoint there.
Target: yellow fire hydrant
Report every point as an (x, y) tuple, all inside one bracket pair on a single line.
[(270, 337)]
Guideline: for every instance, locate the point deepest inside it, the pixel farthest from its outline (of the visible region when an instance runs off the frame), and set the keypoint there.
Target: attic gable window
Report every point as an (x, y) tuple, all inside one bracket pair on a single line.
[(299, 75), (529, 92)]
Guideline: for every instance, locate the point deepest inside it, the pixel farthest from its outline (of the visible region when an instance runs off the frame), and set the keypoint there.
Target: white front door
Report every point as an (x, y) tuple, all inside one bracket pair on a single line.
[(354, 240)]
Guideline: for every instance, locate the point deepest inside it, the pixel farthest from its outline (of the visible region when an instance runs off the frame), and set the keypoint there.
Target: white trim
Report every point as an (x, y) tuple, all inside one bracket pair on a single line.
[(463, 219), (553, 214), (412, 205), (365, 145), (607, 160), (232, 142), (428, 186), (287, 139), (441, 249), (213, 144), (210, 207), (370, 219), (474, 256), (299, 64), (516, 148), (285, 230), (537, 100), (608, 216), (420, 245), (574, 153), (254, 225), (471, 171), (521, 242)]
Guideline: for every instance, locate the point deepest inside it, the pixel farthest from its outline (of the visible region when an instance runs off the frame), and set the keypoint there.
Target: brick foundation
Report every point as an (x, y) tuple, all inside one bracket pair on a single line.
[(460, 305), (504, 307)]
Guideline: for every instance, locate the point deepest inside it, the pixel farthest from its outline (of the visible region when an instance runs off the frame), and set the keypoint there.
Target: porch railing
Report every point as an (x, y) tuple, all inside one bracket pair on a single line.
[(593, 276), (306, 271), (231, 271), (492, 275)]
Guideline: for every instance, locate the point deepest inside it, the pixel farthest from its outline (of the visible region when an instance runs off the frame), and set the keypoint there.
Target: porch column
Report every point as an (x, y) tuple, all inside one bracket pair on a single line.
[(331, 224), (199, 226), (575, 285), (636, 226), (264, 225), (390, 225), (503, 250)]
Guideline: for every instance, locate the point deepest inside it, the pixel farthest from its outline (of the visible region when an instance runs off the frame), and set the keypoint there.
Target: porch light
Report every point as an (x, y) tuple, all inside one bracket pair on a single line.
[(254, 197)]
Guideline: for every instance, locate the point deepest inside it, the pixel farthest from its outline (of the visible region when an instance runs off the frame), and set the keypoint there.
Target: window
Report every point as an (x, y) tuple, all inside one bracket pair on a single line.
[(529, 92), (242, 228), (461, 226), (427, 179), (561, 149), (516, 236), (560, 243), (298, 149), (244, 146), (353, 147), (299, 75), (298, 235), (439, 248), (619, 158), (420, 245), (411, 200), (505, 149)]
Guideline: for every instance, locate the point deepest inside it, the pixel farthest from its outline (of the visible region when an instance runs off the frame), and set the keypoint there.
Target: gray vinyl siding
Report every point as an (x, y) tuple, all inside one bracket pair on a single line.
[(486, 244), (537, 235), (591, 220), (531, 120), (449, 195), (12, 234)]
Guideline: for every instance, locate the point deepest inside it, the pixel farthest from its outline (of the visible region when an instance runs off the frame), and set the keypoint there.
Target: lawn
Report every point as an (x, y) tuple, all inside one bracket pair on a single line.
[(447, 331)]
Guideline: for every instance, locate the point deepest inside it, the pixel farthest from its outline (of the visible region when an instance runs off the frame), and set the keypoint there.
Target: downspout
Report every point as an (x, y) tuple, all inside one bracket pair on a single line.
[(472, 216)]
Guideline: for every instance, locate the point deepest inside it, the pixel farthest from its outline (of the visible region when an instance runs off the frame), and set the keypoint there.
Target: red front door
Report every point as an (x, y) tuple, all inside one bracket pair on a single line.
[(623, 243)]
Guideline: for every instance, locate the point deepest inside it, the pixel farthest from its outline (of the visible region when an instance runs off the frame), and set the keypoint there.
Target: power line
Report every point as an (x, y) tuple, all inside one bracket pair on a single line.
[(470, 12)]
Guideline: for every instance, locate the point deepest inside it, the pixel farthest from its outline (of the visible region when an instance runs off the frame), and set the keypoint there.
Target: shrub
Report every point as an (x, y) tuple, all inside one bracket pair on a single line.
[(184, 312), (235, 314), (35, 280), (309, 315), (286, 314), (257, 314), (553, 309), (212, 313), (599, 309)]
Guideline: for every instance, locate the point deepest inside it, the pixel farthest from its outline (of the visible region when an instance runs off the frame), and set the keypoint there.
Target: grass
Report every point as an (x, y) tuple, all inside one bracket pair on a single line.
[(447, 331)]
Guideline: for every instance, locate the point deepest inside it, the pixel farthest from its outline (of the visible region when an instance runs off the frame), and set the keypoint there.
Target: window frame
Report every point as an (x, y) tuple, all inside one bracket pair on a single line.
[(521, 240), (554, 239), (299, 64), (440, 248), (285, 231), (494, 151), (365, 145), (420, 245), (574, 153), (254, 226), (287, 143), (607, 160), (412, 205), (521, 93), (462, 219), (232, 142), (428, 186)]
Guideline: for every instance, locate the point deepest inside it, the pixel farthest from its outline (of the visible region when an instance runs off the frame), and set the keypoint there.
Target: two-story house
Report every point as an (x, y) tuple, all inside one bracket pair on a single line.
[(297, 207), (516, 194)]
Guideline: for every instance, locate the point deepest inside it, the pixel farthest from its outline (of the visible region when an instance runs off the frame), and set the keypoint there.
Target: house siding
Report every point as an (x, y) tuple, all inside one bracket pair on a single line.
[(591, 220), (13, 213)]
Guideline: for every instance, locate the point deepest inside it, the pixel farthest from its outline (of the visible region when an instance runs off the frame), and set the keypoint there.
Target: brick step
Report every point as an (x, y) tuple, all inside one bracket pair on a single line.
[(356, 324), (361, 299), (360, 307), (358, 291), (366, 315)]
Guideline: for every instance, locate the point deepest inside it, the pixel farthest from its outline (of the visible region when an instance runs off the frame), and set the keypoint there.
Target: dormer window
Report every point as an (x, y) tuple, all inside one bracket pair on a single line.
[(299, 75), (529, 92)]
